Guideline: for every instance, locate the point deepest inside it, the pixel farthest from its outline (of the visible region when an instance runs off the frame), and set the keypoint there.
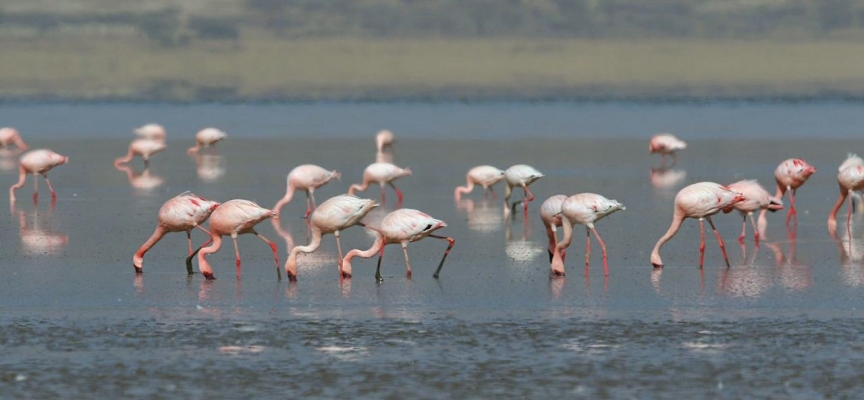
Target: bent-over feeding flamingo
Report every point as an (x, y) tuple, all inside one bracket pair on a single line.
[(9, 137), (520, 175), (701, 201), (550, 213), (181, 213), (332, 216), (585, 209), (307, 178), (484, 175), (850, 178), (755, 198), (143, 148), (790, 175), (37, 162), (235, 217), (205, 138), (383, 139), (666, 143), (152, 132), (402, 226), (384, 174)]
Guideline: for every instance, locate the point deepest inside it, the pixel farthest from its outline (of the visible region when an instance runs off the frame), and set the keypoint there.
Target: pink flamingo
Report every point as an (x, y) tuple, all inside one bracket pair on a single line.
[(790, 175), (484, 175), (141, 147), (307, 178), (182, 213), (9, 137), (755, 198), (402, 226), (585, 209), (383, 139), (381, 173), (701, 201), (206, 138), (235, 217), (520, 175), (152, 132), (666, 143), (850, 178), (37, 162), (332, 216), (550, 213)]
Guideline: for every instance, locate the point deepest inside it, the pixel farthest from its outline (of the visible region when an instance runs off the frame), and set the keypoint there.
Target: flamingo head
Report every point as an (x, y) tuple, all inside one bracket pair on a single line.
[(774, 204), (291, 267)]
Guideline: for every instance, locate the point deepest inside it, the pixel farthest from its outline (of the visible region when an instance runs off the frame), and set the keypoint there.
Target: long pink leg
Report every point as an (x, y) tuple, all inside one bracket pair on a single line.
[(399, 195), (603, 248), (755, 229), (701, 243), (383, 196), (35, 189), (529, 195), (51, 188), (720, 242), (407, 263), (189, 240), (792, 210), (451, 242), (743, 230), (275, 252), (308, 206), (236, 256), (587, 250)]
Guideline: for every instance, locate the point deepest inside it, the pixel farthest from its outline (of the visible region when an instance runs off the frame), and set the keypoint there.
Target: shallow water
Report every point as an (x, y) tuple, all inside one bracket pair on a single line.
[(784, 321)]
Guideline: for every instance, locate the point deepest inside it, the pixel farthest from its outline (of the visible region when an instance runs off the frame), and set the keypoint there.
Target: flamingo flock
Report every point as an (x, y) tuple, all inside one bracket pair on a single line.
[(187, 211)]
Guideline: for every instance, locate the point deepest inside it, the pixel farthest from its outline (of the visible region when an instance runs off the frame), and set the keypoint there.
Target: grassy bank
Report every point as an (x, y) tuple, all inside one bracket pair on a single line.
[(387, 69)]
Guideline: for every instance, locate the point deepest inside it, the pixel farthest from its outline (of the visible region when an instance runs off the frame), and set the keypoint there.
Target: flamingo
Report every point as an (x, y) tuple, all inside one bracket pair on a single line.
[(666, 143), (332, 216), (402, 226), (235, 217), (550, 213), (181, 213), (206, 138), (384, 138), (152, 132), (790, 175), (520, 175), (484, 175), (141, 147), (382, 173), (307, 178), (585, 209), (755, 198), (37, 162), (850, 178), (10, 136), (701, 201)]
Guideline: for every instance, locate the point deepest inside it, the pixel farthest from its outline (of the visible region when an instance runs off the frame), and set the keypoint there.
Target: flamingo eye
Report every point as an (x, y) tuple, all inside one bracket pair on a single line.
[(427, 227)]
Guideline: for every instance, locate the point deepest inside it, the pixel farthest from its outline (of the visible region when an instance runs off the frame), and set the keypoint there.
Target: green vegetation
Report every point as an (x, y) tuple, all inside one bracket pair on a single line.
[(475, 49)]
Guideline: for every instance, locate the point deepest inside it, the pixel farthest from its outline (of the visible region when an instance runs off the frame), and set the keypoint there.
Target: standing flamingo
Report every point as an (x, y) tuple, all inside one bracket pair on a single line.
[(550, 213), (383, 139), (182, 213), (850, 178), (307, 178), (141, 147), (484, 175), (152, 132), (235, 217), (666, 143), (585, 209), (381, 173), (10, 136), (790, 175), (37, 162), (520, 175), (699, 200), (332, 216), (755, 198), (206, 138), (402, 226)]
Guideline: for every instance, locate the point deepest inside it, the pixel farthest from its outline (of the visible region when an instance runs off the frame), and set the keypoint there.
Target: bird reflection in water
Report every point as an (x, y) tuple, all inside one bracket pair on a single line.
[(483, 216), (384, 146), (851, 252), (144, 180), (747, 279), (37, 233), (793, 274), (210, 167), (665, 180), (9, 158), (521, 249)]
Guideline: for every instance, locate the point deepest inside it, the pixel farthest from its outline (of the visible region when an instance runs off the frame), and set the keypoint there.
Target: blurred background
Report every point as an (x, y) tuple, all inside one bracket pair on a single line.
[(240, 50)]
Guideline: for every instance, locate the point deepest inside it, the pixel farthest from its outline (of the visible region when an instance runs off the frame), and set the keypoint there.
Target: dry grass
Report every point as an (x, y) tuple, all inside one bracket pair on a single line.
[(353, 68)]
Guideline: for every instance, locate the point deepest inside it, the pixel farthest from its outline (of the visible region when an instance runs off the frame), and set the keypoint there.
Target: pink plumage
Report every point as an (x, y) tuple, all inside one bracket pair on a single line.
[(307, 178), (233, 218), (37, 162)]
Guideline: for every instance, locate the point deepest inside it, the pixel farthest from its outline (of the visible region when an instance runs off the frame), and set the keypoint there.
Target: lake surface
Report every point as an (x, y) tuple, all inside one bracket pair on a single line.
[(784, 321)]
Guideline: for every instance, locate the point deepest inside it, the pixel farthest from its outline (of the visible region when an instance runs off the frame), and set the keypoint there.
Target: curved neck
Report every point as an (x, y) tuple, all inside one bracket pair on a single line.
[(842, 198), (203, 265), (289, 194), (677, 219), (465, 189), (359, 187), (194, 149), (154, 238), (376, 247), (126, 158)]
